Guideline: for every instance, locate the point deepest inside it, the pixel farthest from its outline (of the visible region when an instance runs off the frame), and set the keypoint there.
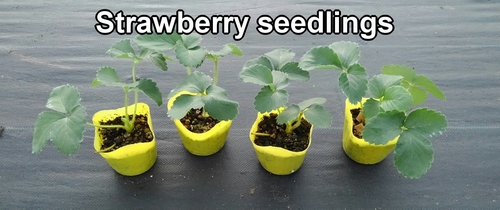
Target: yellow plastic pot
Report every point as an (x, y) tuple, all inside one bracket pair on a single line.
[(133, 159), (202, 144), (358, 149), (277, 160)]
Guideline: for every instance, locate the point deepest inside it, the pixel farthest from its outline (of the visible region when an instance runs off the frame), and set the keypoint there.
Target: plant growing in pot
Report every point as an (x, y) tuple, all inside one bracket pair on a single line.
[(385, 122), (124, 137), (200, 109), (281, 134)]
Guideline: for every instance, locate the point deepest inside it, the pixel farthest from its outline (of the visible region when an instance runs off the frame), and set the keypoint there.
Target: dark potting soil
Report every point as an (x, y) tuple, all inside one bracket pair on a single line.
[(296, 141), (358, 122), (196, 123), (119, 137)]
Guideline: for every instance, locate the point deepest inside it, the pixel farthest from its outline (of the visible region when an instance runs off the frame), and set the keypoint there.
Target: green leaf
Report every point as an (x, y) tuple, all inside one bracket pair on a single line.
[(280, 57), (158, 59), (189, 57), (318, 116), (413, 155), (399, 70), (95, 83), (262, 60), (63, 99), (191, 41), (307, 103), (371, 107), (378, 84), (384, 127), (268, 100), (289, 114), (429, 85), (417, 94), (353, 83), (158, 42), (148, 87), (122, 49), (65, 128), (347, 52), (320, 58), (396, 98), (294, 72), (218, 105), (226, 50), (183, 104), (426, 122), (280, 80), (196, 82), (257, 74), (107, 76)]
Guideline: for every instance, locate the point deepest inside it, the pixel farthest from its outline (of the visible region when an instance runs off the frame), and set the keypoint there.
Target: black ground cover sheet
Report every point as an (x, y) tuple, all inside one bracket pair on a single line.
[(44, 44)]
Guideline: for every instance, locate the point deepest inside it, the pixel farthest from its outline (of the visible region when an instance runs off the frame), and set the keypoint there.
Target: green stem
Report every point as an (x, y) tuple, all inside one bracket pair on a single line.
[(106, 149), (261, 134), (105, 126), (216, 71), (204, 113), (136, 95), (188, 70)]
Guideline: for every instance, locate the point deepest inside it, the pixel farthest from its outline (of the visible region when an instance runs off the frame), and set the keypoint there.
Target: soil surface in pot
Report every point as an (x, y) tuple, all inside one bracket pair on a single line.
[(119, 137), (196, 123), (358, 122), (296, 141)]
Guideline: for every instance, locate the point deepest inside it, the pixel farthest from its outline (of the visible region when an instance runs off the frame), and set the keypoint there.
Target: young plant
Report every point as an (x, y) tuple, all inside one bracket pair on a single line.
[(388, 114), (197, 89), (65, 122), (273, 71)]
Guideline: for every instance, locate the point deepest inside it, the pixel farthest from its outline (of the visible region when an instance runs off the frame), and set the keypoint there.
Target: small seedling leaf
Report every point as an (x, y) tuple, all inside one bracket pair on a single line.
[(280, 57), (107, 76), (64, 128), (262, 60), (148, 87), (289, 114), (189, 57), (399, 70), (378, 84), (371, 107), (347, 52), (294, 72), (429, 85), (426, 122), (196, 82), (318, 116), (191, 41), (122, 49), (268, 100), (257, 74), (320, 58), (226, 50), (413, 155), (157, 58), (280, 80), (183, 104), (63, 99), (158, 42), (396, 98), (218, 105), (307, 103), (353, 83), (384, 127)]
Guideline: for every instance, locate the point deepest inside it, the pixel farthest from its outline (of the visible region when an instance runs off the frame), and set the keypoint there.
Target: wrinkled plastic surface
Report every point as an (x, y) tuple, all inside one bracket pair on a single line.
[(132, 159), (358, 149)]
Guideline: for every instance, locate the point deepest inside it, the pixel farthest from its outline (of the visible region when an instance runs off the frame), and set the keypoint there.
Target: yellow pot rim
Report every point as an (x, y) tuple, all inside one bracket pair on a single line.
[(278, 151)]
